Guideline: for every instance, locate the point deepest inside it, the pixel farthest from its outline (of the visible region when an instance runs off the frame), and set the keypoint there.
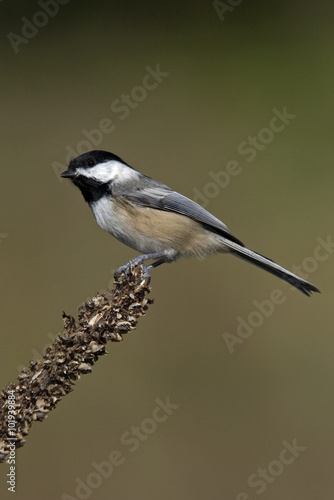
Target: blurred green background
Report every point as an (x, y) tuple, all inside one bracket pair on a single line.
[(224, 74)]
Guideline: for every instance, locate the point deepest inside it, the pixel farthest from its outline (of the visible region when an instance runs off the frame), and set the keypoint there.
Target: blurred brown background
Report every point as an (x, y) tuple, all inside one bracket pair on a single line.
[(226, 72)]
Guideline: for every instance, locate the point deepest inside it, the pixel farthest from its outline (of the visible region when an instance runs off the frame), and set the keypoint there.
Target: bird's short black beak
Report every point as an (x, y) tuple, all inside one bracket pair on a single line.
[(68, 174)]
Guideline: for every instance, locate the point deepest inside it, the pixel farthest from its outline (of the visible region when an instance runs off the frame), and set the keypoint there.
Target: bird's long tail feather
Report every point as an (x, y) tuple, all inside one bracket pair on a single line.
[(271, 267)]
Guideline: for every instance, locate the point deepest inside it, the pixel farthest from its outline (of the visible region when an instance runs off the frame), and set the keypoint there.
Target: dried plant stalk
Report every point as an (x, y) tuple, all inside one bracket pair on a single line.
[(106, 317)]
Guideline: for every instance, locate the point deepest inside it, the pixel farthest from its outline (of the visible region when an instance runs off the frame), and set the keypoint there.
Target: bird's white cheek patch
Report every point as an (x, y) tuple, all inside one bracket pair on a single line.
[(107, 171), (102, 172)]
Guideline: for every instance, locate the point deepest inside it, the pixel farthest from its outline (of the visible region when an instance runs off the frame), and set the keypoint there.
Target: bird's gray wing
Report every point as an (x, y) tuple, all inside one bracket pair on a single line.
[(154, 194)]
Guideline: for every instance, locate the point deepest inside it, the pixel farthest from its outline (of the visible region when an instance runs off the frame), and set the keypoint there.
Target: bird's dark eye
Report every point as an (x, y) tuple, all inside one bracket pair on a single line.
[(90, 163)]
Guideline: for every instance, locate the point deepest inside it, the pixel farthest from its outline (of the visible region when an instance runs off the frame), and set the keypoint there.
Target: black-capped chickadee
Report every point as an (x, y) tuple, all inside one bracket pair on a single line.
[(155, 220)]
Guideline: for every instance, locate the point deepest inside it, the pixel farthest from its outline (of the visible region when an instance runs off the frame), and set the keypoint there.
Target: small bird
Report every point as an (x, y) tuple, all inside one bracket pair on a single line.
[(151, 218)]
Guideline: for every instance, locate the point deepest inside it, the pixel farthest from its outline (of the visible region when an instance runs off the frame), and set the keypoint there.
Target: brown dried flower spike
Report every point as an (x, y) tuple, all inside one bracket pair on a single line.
[(106, 317)]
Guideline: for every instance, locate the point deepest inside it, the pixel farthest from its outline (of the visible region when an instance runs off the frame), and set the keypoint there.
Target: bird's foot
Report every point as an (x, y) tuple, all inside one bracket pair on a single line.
[(128, 268)]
